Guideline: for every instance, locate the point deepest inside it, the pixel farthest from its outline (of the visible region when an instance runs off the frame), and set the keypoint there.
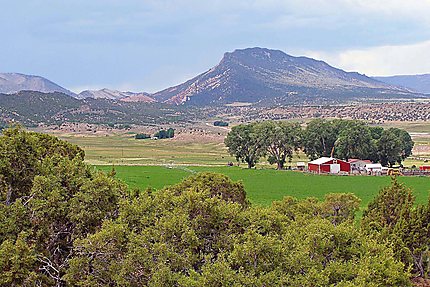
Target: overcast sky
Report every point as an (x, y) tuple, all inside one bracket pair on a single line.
[(150, 45)]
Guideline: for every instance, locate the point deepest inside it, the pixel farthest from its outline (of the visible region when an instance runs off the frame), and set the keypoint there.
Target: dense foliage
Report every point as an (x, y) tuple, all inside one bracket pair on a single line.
[(165, 134), (344, 139), (354, 139), (393, 216), (64, 224), (221, 124), (142, 136)]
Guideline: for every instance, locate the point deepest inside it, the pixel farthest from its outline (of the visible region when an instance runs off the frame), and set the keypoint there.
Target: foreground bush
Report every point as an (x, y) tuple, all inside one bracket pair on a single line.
[(64, 224)]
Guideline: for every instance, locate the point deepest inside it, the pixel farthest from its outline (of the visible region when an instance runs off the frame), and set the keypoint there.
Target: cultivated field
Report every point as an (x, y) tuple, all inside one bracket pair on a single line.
[(265, 185), (123, 149)]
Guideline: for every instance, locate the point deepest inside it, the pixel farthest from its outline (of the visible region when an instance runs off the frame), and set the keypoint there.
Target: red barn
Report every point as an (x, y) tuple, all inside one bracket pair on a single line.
[(329, 165), (425, 167)]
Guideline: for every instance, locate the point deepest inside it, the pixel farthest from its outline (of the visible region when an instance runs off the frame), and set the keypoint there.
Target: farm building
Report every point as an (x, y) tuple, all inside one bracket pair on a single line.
[(425, 167), (358, 164), (375, 169), (329, 165)]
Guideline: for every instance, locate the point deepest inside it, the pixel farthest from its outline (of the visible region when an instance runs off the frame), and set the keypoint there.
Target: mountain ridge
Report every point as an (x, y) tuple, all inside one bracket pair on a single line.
[(11, 83), (260, 74), (116, 95), (419, 83)]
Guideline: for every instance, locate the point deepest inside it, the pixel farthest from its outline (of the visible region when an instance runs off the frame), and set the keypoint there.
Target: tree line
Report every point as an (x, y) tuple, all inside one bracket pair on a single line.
[(278, 141), (161, 134), (63, 223)]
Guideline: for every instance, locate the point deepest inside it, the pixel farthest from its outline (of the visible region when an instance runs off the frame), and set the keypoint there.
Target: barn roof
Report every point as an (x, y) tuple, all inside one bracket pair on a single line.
[(321, 160)]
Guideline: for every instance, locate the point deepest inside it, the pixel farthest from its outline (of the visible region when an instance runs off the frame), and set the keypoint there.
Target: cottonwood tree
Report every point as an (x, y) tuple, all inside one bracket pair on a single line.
[(243, 142), (354, 141), (279, 141), (319, 138)]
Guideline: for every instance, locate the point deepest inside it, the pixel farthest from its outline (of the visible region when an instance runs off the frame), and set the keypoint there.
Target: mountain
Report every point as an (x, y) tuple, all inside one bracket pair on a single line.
[(116, 95), (259, 75), (418, 83), (14, 82), (102, 94)]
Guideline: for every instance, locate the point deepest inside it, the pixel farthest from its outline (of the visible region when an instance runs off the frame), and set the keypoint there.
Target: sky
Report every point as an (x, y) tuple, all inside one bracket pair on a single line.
[(149, 45)]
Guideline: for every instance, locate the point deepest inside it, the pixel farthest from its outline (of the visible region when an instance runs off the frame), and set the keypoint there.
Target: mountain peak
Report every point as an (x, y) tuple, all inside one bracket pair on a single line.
[(257, 75), (11, 83)]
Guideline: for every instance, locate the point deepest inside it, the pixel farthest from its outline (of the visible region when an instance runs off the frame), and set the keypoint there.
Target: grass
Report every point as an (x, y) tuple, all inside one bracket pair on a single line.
[(266, 185), (123, 149)]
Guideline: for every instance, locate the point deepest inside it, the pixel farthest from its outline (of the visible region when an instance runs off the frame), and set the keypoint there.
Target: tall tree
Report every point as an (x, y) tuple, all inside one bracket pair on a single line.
[(279, 141), (406, 143), (319, 138), (354, 141), (389, 148), (243, 142)]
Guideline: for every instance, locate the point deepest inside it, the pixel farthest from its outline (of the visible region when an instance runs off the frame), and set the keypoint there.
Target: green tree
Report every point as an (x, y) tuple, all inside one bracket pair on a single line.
[(279, 141), (243, 142), (21, 155), (49, 193), (170, 133), (189, 235), (354, 141), (319, 138), (406, 143), (393, 216), (340, 207), (18, 263), (389, 148)]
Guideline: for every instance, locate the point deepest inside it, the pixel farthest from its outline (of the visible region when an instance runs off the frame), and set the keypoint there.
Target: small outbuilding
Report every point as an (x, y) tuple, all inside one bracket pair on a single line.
[(358, 164), (374, 168), (425, 167), (329, 165)]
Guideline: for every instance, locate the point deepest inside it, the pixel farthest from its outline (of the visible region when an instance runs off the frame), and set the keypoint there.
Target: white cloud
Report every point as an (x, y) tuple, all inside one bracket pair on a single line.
[(382, 60)]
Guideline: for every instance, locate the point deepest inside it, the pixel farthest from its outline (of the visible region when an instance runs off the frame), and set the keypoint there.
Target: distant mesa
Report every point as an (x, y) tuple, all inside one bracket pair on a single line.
[(11, 83), (417, 83)]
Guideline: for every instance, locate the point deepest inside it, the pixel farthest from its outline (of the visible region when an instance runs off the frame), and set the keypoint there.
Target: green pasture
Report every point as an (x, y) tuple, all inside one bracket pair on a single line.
[(123, 149), (266, 185)]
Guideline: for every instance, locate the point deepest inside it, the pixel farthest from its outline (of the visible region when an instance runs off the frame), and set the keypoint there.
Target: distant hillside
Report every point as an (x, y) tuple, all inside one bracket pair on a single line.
[(259, 75), (138, 97), (14, 82), (32, 108), (116, 95), (418, 83)]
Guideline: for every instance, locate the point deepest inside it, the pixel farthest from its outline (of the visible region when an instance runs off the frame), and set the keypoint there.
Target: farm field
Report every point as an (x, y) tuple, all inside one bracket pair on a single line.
[(206, 149), (266, 185), (123, 149)]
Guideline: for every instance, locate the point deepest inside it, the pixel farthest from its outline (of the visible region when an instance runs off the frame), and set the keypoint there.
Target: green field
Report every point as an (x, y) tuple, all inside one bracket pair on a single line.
[(266, 185), (123, 149)]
